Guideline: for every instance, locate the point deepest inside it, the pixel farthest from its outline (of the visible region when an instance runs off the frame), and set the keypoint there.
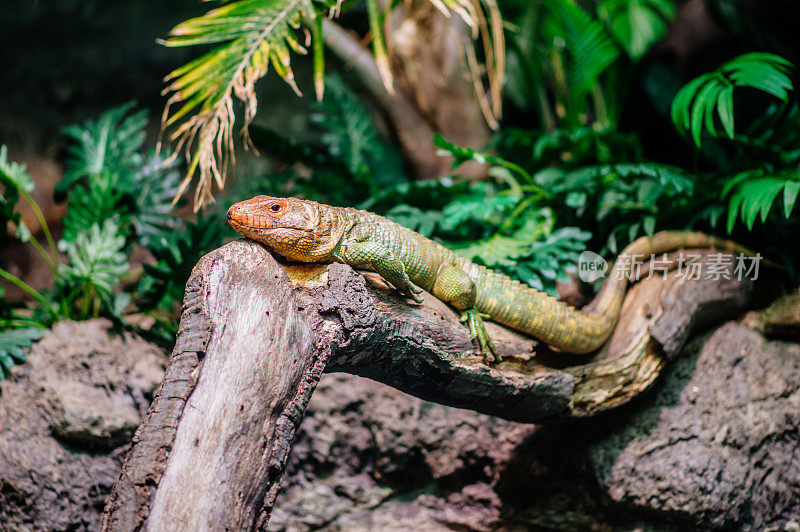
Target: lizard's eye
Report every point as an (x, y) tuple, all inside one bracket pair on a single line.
[(275, 208)]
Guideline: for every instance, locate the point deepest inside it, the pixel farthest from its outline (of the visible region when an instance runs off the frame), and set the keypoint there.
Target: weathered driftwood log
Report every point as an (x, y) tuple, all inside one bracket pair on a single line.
[(256, 334)]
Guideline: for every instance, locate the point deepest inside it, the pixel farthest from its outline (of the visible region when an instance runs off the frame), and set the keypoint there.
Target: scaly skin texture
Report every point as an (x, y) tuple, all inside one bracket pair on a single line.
[(307, 231)]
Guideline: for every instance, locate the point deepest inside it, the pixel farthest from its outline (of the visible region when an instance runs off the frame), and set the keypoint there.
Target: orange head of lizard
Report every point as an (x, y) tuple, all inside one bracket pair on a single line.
[(288, 226)]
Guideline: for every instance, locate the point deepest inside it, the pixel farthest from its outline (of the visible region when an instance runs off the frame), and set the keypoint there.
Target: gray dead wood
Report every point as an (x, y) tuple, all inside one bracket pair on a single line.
[(257, 333)]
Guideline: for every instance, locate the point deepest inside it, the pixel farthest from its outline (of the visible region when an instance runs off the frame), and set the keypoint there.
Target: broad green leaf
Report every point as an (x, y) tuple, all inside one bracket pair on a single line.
[(694, 105), (636, 24), (790, 192)]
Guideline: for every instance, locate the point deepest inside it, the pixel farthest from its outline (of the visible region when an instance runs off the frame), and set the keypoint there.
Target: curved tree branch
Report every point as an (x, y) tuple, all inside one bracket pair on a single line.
[(256, 334)]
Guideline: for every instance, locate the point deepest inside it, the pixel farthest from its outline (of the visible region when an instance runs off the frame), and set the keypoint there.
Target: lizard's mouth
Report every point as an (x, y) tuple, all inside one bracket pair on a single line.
[(245, 220), (248, 223)]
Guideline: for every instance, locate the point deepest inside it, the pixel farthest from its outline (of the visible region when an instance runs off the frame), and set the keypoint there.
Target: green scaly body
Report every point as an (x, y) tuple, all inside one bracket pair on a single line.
[(368, 241)]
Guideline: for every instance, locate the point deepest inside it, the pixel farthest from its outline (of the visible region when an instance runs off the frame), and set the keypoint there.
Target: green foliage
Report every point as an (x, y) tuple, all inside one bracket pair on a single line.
[(636, 24), (249, 36), (343, 161), (152, 189), (584, 50), (564, 57), (567, 148), (621, 200), (765, 165), (536, 253), (99, 199), (693, 109), (176, 253), (96, 264), (13, 343), (349, 135), (753, 194), (125, 200), (17, 331), (15, 180), (109, 144), (118, 198)]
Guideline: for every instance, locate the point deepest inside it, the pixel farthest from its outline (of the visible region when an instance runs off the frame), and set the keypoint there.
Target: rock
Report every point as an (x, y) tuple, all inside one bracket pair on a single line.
[(719, 445), (715, 446), (781, 319), (66, 418), (369, 457)]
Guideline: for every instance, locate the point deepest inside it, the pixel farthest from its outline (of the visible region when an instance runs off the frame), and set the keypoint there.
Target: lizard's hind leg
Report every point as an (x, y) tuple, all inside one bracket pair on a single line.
[(454, 286)]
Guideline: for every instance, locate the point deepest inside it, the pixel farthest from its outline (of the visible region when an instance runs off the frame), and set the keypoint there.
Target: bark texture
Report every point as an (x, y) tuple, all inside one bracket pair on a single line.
[(213, 448), (714, 446), (256, 335)]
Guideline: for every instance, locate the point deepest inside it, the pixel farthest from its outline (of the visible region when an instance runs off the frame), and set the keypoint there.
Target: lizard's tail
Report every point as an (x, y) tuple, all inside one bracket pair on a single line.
[(609, 300), (562, 326)]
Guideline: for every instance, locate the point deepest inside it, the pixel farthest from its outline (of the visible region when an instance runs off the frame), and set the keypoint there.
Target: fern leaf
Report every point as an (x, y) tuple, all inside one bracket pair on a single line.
[(108, 143), (96, 264), (586, 46)]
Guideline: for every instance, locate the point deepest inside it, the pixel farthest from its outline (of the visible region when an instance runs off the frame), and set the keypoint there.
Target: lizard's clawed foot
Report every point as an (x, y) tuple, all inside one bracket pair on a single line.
[(477, 330), (415, 293), (409, 290)]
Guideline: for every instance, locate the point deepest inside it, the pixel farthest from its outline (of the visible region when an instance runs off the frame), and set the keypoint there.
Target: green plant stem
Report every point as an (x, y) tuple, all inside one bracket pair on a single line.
[(378, 46), (600, 108), (21, 322), (45, 229), (517, 169), (562, 90), (319, 55), (86, 301), (29, 290), (35, 242), (521, 206), (537, 191), (132, 274)]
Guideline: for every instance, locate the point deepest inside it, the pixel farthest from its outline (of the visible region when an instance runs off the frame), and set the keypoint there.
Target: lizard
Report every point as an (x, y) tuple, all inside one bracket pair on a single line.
[(307, 231)]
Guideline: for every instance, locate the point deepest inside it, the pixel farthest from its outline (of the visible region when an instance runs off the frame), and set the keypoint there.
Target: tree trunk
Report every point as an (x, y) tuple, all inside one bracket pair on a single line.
[(256, 334)]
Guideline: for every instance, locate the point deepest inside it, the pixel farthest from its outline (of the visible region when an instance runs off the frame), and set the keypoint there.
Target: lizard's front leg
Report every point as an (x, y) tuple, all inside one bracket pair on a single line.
[(380, 259), (454, 286)]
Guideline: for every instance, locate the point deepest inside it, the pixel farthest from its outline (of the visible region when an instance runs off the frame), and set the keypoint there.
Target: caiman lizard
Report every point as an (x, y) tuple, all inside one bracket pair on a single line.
[(308, 231)]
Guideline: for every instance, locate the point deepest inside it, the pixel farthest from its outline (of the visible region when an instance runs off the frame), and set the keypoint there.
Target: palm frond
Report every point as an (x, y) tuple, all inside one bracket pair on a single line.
[(250, 35), (254, 35), (694, 107)]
